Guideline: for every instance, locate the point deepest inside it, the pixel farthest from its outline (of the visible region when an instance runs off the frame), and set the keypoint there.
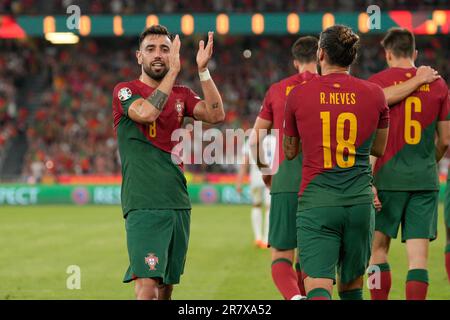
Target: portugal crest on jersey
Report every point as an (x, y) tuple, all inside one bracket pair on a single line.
[(179, 108), (124, 94), (151, 260)]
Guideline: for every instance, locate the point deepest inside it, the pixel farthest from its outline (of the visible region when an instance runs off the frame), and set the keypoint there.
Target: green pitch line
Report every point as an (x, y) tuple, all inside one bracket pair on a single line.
[(39, 243)]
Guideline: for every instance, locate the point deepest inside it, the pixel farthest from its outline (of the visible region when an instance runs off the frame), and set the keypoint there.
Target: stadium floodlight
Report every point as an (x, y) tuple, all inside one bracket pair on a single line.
[(62, 37)]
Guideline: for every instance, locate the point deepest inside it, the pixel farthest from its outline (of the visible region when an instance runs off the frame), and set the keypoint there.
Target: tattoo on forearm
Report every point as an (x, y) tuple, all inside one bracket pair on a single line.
[(158, 99), (215, 105)]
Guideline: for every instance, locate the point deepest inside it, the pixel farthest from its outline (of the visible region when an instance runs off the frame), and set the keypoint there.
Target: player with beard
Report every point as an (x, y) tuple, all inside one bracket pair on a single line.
[(155, 201)]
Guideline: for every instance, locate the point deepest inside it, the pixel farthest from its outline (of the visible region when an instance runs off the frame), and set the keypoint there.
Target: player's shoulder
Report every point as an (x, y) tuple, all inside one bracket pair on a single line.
[(382, 75), (367, 87), (296, 79), (126, 84), (125, 89), (304, 86), (440, 85)]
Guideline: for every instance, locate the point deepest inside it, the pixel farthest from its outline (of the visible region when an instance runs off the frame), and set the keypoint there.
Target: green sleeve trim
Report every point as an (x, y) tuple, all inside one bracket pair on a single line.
[(282, 260), (355, 294), (319, 292), (297, 266), (447, 248), (420, 275), (127, 103)]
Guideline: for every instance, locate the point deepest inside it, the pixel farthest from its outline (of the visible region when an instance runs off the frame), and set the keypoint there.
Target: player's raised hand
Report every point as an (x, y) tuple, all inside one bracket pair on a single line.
[(174, 58), (427, 74), (205, 52)]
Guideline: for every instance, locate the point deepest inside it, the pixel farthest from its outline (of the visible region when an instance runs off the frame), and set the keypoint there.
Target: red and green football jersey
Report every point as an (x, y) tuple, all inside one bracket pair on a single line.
[(336, 117), (150, 179), (409, 162), (288, 176)]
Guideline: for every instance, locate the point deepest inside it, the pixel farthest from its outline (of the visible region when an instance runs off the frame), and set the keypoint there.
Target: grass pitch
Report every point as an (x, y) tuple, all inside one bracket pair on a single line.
[(39, 243)]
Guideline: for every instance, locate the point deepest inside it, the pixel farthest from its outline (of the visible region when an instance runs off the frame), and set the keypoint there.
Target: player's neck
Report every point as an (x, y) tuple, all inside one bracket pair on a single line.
[(149, 81), (308, 67), (402, 63), (333, 69)]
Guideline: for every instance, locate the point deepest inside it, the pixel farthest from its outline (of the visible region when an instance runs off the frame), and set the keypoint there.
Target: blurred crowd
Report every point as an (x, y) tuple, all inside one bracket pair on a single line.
[(69, 129), (13, 71), (172, 6)]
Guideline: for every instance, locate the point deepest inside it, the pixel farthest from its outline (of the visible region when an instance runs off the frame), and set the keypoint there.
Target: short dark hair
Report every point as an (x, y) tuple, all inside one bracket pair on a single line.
[(304, 49), (155, 29), (400, 41), (341, 45)]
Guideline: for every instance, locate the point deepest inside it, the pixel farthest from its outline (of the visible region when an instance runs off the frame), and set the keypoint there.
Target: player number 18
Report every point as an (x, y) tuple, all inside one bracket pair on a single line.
[(342, 142)]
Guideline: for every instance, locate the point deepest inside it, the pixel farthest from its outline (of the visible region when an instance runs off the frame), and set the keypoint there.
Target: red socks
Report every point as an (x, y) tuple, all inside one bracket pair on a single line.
[(416, 284), (380, 291), (285, 278)]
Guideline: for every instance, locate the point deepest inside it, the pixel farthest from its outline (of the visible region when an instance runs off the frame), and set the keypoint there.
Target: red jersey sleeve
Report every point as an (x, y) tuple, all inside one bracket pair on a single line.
[(444, 113), (290, 120), (266, 111), (383, 121), (123, 96), (190, 99)]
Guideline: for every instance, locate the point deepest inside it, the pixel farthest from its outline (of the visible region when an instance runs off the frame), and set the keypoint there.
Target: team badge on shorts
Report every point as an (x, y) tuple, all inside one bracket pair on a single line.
[(124, 94), (151, 260)]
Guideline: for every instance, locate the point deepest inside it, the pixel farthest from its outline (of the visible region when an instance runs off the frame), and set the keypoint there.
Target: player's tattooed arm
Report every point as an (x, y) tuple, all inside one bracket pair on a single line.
[(291, 147), (158, 99), (146, 111), (396, 93), (260, 131)]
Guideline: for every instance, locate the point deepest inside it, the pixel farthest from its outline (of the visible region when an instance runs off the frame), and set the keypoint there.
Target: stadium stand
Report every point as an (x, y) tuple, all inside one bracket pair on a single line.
[(55, 101), (163, 6)]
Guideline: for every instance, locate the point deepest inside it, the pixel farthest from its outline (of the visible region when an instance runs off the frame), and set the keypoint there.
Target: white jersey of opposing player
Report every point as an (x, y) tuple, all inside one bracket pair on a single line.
[(269, 145)]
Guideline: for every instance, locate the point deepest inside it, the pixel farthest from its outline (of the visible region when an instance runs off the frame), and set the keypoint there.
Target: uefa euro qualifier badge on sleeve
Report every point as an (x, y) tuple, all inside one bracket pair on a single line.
[(124, 94)]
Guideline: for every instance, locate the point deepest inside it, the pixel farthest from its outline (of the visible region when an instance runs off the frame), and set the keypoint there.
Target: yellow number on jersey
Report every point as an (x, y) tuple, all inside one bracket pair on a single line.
[(412, 124), (342, 143), (152, 129)]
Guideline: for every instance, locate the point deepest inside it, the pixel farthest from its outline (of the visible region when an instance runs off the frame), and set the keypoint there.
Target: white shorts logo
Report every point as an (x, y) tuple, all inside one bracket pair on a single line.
[(124, 94)]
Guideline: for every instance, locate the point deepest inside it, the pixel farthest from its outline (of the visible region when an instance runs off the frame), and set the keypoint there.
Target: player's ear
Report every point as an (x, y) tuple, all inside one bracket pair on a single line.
[(415, 54), (320, 54), (139, 56), (295, 62), (388, 56)]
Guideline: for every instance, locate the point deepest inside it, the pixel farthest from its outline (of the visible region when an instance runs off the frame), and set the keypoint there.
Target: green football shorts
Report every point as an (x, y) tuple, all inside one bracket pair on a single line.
[(283, 211), (447, 206), (334, 239), (157, 244), (416, 211)]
